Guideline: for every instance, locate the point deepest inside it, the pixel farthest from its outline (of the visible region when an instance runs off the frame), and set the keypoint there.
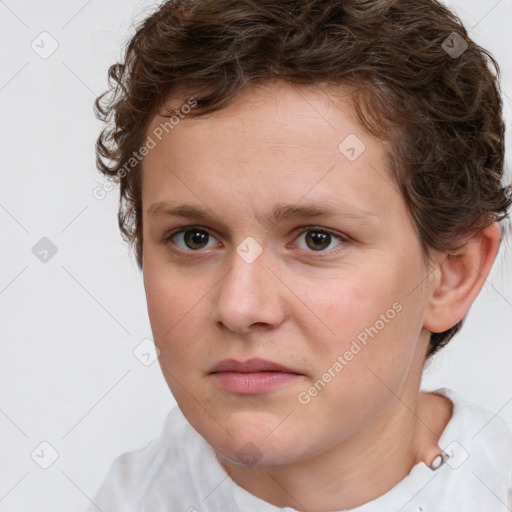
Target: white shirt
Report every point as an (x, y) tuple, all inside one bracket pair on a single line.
[(178, 472)]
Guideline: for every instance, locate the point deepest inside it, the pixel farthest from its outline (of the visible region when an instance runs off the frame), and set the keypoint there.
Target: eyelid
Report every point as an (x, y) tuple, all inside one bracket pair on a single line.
[(182, 229), (305, 229)]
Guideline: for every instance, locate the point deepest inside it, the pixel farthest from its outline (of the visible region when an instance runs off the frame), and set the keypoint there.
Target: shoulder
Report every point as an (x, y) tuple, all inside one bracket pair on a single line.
[(131, 472), (177, 469)]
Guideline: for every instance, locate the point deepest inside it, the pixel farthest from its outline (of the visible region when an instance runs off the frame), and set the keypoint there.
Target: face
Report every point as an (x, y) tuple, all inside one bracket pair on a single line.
[(337, 298)]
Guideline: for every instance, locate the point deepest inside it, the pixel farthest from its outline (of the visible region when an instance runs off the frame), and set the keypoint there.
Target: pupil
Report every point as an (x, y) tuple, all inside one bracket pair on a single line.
[(318, 238), (197, 238)]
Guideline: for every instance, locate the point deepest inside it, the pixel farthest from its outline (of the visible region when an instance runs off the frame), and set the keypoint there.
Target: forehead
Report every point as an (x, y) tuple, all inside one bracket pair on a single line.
[(258, 109), (277, 140)]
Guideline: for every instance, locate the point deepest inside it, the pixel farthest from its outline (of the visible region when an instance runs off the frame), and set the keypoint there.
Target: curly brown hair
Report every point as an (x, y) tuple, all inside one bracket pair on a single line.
[(415, 77)]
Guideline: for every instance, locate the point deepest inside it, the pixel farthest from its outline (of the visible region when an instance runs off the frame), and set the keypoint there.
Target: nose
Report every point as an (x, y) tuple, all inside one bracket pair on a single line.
[(250, 295)]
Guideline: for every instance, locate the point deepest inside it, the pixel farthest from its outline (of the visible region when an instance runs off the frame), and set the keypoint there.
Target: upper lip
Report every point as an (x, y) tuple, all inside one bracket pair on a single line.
[(251, 365)]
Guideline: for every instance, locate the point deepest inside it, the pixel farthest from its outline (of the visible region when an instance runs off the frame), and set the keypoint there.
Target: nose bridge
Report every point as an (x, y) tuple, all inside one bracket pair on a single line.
[(246, 294), (247, 277)]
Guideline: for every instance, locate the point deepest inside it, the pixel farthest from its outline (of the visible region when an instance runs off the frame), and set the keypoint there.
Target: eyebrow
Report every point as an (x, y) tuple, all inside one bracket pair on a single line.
[(280, 213)]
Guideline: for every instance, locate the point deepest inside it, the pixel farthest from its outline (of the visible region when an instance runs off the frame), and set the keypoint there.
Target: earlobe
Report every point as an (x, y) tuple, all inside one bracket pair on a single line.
[(459, 278)]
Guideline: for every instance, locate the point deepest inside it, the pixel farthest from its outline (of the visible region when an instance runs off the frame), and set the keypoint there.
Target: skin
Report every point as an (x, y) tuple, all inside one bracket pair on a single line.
[(301, 307)]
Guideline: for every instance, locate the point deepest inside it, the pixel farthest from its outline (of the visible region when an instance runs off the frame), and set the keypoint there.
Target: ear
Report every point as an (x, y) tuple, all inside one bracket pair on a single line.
[(458, 279)]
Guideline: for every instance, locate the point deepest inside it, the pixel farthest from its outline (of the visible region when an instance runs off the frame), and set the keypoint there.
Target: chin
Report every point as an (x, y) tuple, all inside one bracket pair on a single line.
[(256, 447), (252, 455)]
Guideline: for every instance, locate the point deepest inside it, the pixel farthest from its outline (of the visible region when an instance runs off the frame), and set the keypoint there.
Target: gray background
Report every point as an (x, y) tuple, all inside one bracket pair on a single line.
[(68, 373)]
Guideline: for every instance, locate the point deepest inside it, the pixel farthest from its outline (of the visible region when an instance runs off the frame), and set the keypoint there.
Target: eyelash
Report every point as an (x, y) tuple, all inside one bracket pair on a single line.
[(316, 254)]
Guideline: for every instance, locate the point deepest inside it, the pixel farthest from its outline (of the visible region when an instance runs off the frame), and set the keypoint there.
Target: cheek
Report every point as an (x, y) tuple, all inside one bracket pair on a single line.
[(178, 312), (168, 300), (170, 310), (349, 302), (371, 320), (360, 369)]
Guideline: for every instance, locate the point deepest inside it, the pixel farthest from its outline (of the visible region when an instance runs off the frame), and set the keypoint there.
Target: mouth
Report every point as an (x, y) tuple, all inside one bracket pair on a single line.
[(250, 366), (254, 376)]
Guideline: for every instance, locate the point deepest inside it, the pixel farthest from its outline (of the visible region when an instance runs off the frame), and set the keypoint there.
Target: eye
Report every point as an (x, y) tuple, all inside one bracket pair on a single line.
[(318, 239), (192, 239)]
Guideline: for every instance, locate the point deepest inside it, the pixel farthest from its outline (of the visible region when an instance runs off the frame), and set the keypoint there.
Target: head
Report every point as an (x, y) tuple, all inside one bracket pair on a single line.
[(368, 108)]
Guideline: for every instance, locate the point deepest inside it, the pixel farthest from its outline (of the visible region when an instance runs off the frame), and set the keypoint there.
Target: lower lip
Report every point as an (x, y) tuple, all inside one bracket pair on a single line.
[(253, 383)]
